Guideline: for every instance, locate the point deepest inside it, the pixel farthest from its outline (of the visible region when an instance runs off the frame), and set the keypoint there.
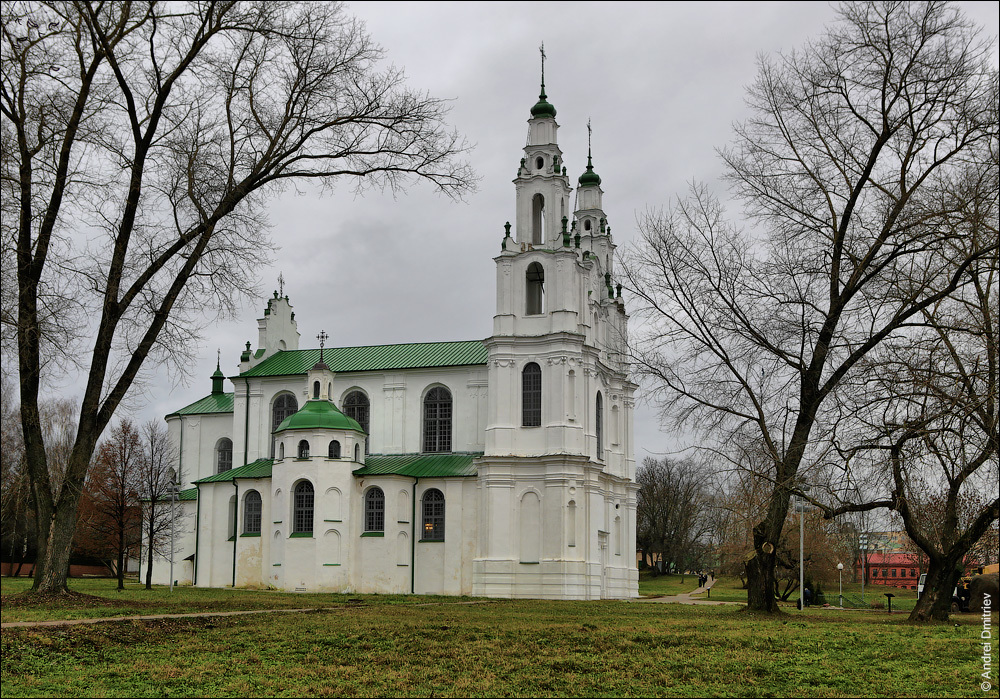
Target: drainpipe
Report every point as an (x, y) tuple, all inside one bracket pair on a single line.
[(236, 521), (246, 423), (413, 539), (197, 531)]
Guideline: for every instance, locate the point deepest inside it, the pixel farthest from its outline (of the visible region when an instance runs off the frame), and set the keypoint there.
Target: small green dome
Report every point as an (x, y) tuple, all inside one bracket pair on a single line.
[(590, 177), (319, 414), (543, 108)]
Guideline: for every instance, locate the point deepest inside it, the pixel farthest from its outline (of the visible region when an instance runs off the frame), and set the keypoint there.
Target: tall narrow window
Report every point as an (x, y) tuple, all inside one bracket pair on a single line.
[(357, 408), (535, 289), (599, 426), (302, 516), (251, 512), (303, 449), (537, 219), (374, 510), (334, 451), (315, 389), (224, 454), (531, 395), (433, 507), (437, 420), (284, 405), (231, 524)]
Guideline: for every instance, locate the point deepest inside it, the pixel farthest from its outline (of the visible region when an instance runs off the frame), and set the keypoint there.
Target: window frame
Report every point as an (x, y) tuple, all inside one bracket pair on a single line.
[(531, 395), (374, 510), (300, 452), (437, 429), (249, 504), (219, 451), (432, 508), (282, 411), (358, 411), (303, 507), (333, 449)]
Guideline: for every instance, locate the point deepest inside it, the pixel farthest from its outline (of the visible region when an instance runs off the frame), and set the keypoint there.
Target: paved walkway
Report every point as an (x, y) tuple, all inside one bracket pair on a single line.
[(686, 598)]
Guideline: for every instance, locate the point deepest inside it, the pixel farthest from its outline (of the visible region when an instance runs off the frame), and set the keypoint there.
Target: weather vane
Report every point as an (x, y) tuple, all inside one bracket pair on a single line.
[(588, 136), (322, 337), (281, 284), (218, 357)]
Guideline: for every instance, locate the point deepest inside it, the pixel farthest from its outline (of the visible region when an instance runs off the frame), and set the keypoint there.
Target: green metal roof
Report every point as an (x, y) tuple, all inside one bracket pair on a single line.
[(420, 465), (457, 465), (319, 414), (183, 495), (261, 468), (374, 358), (212, 403)]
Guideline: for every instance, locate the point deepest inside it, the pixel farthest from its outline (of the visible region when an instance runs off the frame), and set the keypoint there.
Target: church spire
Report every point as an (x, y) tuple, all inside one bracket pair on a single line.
[(218, 378), (589, 176), (542, 108)]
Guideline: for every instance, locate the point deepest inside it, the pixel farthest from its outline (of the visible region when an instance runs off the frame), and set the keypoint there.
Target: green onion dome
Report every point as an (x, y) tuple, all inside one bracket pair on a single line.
[(589, 177), (543, 108), (319, 414)]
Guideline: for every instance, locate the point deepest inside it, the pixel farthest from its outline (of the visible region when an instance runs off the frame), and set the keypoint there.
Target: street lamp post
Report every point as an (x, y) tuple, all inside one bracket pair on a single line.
[(863, 547), (840, 571), (173, 518)]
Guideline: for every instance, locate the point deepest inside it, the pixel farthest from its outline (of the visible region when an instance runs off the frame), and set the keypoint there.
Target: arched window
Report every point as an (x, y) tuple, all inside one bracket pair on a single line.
[(357, 453), (531, 395), (334, 451), (357, 408), (231, 523), (284, 405), (535, 291), (302, 513), (437, 420), (281, 451), (303, 449), (537, 219), (433, 507), (374, 510), (315, 389), (586, 224), (599, 426), (224, 455), (251, 512)]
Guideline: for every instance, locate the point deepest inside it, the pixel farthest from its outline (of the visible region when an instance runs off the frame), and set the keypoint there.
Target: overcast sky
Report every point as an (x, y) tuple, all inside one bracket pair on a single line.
[(662, 84)]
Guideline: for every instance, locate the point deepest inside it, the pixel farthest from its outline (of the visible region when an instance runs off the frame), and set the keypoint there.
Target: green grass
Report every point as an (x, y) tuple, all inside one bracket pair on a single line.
[(666, 584), (498, 648), (135, 600)]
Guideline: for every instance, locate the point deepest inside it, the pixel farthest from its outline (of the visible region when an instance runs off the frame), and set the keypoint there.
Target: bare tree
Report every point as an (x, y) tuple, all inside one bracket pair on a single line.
[(672, 508), (140, 143), (156, 478), (751, 335), (110, 511)]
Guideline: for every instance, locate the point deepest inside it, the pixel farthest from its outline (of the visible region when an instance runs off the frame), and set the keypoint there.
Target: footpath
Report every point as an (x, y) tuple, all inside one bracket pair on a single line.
[(688, 597)]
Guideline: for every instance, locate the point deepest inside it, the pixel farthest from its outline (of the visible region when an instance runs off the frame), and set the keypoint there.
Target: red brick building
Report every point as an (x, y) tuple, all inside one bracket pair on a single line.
[(891, 569)]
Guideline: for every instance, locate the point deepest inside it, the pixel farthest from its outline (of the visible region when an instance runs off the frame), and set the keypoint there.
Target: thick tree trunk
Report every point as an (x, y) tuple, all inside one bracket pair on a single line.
[(761, 582), (935, 601), (55, 541)]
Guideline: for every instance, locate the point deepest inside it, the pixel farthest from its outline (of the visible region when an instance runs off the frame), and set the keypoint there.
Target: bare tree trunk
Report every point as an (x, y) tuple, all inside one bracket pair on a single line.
[(935, 601)]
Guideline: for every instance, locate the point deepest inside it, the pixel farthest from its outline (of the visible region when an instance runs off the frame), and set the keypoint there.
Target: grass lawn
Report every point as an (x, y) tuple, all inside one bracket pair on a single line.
[(136, 600), (392, 647), (650, 586)]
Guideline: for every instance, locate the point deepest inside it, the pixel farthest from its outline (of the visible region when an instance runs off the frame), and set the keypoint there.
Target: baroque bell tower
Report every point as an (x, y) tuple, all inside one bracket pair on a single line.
[(556, 481)]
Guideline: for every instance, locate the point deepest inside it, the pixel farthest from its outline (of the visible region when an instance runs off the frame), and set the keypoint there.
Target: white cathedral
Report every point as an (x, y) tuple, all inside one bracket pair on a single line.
[(501, 467)]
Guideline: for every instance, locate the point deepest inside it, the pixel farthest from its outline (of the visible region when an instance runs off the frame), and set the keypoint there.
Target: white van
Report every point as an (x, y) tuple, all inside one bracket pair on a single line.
[(920, 584)]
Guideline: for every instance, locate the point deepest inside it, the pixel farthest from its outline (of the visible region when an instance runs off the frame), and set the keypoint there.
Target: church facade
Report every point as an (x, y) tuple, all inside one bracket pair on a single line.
[(501, 467)]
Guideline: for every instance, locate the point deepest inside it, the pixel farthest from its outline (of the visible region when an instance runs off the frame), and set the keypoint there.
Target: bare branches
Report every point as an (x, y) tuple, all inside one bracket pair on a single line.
[(140, 144), (868, 163)]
